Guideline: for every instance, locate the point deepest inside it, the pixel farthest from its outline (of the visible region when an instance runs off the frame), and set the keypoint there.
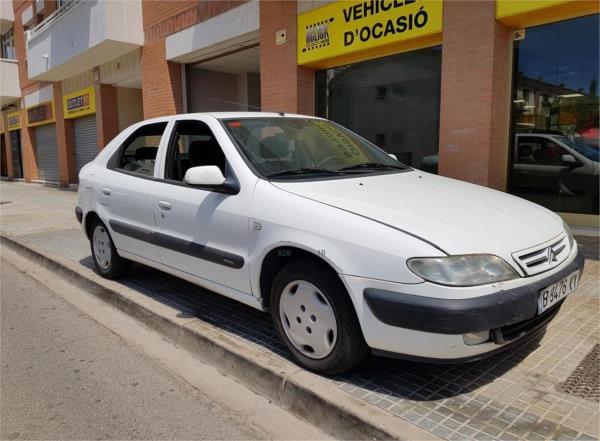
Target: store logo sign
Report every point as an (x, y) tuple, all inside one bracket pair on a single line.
[(13, 121), (79, 103), (317, 35), (40, 114), (349, 27)]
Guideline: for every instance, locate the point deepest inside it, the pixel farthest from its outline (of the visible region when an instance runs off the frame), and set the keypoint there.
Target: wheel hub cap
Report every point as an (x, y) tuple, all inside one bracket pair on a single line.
[(102, 250), (308, 319)]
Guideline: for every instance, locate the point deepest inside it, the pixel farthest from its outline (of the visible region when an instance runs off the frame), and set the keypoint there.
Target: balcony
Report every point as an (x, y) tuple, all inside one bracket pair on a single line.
[(7, 16), (10, 90), (82, 35)]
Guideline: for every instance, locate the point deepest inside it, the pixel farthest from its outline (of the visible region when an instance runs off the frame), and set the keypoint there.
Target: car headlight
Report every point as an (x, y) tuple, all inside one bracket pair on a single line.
[(569, 234), (466, 270)]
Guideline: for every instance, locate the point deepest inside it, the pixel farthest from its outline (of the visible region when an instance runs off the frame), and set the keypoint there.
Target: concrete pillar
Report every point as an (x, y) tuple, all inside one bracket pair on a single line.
[(9, 162), (285, 86), (475, 94), (107, 114), (65, 140)]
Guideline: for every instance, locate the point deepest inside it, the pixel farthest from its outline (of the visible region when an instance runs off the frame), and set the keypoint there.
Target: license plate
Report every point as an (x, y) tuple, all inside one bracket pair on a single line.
[(554, 293)]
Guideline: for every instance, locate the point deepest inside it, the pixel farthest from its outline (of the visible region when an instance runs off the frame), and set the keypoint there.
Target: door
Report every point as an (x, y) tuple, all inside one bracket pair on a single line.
[(201, 232), (126, 189), (15, 149), (86, 140), (46, 153)]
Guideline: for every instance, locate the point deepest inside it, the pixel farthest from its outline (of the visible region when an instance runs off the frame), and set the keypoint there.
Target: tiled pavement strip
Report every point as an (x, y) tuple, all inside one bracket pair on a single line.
[(508, 396)]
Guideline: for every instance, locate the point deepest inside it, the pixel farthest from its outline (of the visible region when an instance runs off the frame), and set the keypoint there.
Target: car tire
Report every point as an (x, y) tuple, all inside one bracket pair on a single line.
[(107, 261), (322, 304)]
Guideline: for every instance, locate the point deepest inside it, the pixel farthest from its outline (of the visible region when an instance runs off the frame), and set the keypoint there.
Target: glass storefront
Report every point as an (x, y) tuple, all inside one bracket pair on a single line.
[(394, 102), (555, 114)]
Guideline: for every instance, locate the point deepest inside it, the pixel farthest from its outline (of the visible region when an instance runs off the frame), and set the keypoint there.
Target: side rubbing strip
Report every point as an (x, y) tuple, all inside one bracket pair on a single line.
[(198, 250), (139, 233), (181, 246)]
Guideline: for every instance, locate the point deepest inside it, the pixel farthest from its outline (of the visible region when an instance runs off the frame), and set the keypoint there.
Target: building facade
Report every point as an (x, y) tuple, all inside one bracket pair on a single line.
[(496, 92)]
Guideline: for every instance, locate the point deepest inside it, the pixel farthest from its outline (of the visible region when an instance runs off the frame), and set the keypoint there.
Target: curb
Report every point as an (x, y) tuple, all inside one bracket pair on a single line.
[(296, 390)]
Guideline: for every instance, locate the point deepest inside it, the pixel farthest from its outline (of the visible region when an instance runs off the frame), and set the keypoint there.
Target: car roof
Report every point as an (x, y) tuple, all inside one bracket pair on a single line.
[(230, 115)]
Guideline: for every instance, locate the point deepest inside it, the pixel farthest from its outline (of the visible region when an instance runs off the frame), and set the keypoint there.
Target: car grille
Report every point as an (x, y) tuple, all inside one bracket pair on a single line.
[(543, 257)]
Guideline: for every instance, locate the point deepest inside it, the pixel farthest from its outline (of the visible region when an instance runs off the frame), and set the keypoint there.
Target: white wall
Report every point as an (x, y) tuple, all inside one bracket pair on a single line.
[(9, 80), (91, 33), (129, 103)]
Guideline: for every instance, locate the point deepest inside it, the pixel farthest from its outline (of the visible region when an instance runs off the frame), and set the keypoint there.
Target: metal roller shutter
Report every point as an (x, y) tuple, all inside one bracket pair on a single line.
[(47, 157), (86, 145)]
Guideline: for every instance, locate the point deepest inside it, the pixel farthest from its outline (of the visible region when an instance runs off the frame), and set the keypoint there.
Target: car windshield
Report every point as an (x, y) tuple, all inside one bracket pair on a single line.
[(580, 146), (301, 147)]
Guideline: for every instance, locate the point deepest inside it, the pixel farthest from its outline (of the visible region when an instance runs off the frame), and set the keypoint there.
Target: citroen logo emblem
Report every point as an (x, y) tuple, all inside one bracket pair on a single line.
[(551, 255)]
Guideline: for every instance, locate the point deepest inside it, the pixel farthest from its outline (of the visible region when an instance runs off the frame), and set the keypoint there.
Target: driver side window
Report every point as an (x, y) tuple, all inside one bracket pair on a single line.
[(192, 145)]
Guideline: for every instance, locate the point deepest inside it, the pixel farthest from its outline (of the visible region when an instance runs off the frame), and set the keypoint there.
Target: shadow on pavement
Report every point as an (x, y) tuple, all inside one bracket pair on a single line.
[(402, 379)]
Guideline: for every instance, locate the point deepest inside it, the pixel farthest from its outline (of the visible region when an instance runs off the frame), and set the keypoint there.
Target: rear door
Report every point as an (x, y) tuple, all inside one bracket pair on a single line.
[(126, 190)]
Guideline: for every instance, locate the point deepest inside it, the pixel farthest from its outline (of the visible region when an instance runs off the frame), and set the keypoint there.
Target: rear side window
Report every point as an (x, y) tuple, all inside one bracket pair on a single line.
[(138, 152)]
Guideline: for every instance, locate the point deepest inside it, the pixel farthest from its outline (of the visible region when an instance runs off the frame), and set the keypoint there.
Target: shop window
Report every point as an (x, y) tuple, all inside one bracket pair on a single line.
[(555, 116), (397, 95)]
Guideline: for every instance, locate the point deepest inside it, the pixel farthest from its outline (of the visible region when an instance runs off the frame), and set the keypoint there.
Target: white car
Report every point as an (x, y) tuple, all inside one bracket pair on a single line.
[(351, 251)]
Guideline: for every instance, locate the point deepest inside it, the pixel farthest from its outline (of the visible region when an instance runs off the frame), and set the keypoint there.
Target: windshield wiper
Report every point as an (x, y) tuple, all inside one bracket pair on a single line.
[(367, 165), (303, 171)]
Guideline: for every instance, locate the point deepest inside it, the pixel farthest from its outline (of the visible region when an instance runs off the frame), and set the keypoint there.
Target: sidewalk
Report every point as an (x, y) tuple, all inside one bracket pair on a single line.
[(518, 395)]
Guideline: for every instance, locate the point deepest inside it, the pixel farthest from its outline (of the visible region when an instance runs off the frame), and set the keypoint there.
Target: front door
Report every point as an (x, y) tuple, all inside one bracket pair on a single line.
[(201, 232), (15, 150)]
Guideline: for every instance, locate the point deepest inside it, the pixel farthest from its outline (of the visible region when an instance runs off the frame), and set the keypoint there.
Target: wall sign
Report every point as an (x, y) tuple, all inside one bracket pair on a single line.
[(524, 13), (40, 114), (13, 121), (344, 29), (280, 37), (80, 103)]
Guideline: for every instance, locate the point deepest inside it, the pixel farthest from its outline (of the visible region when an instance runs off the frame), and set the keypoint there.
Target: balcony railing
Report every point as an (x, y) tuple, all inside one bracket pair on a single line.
[(52, 18)]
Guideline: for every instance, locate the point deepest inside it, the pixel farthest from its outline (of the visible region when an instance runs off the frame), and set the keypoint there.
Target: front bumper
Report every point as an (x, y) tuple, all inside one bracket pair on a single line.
[(461, 316), (403, 321)]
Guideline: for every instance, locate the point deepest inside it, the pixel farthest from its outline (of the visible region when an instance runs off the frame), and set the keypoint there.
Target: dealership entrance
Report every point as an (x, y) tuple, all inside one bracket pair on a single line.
[(555, 116), (393, 101), (227, 83)]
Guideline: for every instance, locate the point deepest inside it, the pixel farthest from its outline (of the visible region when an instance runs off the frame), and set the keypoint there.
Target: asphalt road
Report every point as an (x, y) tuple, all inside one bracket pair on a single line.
[(64, 376)]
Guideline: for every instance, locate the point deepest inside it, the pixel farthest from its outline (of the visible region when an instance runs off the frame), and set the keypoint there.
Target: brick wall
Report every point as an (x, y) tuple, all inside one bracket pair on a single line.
[(107, 114), (285, 87), (475, 94), (161, 79)]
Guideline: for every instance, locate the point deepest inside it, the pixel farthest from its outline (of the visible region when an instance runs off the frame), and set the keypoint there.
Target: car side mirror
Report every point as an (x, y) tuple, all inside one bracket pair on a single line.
[(391, 155), (569, 159), (210, 177)]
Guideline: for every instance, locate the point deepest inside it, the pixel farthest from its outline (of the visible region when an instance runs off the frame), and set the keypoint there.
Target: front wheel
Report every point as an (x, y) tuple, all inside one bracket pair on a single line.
[(107, 261), (315, 319)]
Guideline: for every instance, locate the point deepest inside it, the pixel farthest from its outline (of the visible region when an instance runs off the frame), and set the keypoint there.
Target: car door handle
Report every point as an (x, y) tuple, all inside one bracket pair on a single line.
[(165, 205), (106, 191)]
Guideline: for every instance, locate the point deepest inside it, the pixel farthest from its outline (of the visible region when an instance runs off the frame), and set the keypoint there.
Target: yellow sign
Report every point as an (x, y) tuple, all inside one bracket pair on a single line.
[(535, 12), (40, 114), (80, 103), (13, 121), (349, 31)]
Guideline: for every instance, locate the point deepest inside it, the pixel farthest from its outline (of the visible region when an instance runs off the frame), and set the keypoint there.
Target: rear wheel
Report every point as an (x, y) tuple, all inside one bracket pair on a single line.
[(107, 261), (315, 319)]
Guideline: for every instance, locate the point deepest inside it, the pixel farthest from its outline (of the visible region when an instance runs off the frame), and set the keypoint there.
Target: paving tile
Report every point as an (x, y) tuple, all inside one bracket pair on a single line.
[(508, 396)]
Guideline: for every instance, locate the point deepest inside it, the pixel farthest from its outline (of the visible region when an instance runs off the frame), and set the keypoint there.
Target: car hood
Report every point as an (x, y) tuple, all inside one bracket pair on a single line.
[(455, 216)]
